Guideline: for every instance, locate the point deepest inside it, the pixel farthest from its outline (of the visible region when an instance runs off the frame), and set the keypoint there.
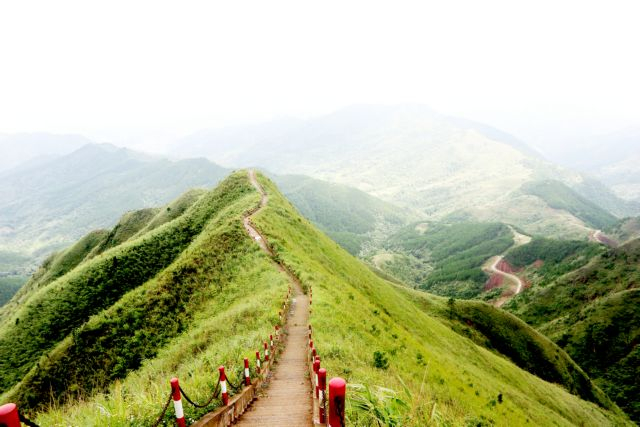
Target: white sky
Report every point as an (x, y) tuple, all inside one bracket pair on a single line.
[(141, 70)]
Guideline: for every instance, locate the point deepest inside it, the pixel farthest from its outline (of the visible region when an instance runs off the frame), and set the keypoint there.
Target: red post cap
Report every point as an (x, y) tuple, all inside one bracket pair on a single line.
[(9, 415), (322, 378), (175, 389), (337, 392)]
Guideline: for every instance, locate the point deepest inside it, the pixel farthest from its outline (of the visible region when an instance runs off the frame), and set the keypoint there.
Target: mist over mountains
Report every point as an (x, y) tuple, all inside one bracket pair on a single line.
[(414, 157)]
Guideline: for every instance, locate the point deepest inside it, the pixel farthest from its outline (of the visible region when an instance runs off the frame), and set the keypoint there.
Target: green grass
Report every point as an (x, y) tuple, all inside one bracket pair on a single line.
[(592, 312), (218, 298), (349, 216), (52, 312), (446, 259), (559, 196), (356, 314), (213, 305)]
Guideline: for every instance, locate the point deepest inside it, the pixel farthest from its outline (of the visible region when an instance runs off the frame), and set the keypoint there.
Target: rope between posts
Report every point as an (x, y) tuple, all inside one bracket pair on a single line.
[(235, 388), (27, 421), (213, 396), (164, 411)]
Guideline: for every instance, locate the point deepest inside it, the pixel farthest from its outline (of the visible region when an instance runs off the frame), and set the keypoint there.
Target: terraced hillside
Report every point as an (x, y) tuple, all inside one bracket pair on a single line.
[(97, 345)]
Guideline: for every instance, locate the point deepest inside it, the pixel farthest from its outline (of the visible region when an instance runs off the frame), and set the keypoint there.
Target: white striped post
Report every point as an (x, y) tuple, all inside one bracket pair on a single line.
[(266, 352), (322, 379), (258, 362), (177, 402), (247, 376), (223, 386), (316, 368), (271, 342)]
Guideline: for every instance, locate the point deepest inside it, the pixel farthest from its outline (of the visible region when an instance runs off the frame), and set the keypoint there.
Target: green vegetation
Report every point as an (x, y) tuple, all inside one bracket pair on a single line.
[(446, 258), (404, 353), (54, 311), (379, 335), (210, 306), (48, 207), (593, 313), (625, 230), (554, 257), (9, 285), (559, 196), (349, 216)]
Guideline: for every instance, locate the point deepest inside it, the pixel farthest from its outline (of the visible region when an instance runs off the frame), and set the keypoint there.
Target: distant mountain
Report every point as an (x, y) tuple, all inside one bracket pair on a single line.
[(34, 148), (180, 294), (410, 156), (612, 158), (353, 218), (50, 205)]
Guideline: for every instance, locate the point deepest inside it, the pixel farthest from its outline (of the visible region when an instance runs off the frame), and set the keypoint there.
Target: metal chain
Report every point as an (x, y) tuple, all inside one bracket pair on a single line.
[(213, 396), (235, 388), (26, 421), (164, 411)]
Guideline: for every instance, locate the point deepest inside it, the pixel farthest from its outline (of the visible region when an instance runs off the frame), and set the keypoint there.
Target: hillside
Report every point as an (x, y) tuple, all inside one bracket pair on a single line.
[(412, 157), (441, 258), (47, 207), (353, 218), (558, 196), (35, 148), (198, 291), (612, 158), (586, 299)]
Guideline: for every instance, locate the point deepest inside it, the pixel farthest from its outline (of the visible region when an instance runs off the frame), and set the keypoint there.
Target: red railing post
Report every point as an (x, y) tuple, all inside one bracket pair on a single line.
[(258, 368), (322, 380), (177, 402), (271, 342), (9, 415), (266, 352), (247, 377), (337, 392), (223, 386)]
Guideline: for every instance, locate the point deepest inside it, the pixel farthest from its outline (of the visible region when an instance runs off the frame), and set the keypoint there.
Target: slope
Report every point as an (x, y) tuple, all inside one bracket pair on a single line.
[(410, 156), (216, 299), (377, 334), (588, 304), (442, 258), (558, 196), (353, 218), (220, 294), (48, 207)]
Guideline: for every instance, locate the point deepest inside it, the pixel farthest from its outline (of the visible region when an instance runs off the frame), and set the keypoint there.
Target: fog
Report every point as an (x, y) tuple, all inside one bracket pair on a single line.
[(145, 73)]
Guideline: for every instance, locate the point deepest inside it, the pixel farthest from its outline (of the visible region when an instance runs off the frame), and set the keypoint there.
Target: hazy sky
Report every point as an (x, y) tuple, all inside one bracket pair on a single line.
[(140, 70)]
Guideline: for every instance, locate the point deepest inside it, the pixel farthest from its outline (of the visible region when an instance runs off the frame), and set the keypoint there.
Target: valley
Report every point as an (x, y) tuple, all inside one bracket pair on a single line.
[(222, 277)]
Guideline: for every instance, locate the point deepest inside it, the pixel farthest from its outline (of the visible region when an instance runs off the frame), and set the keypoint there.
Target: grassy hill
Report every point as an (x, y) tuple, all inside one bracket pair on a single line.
[(442, 258), (196, 292), (586, 299), (353, 218), (51, 205), (413, 157), (559, 196)]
